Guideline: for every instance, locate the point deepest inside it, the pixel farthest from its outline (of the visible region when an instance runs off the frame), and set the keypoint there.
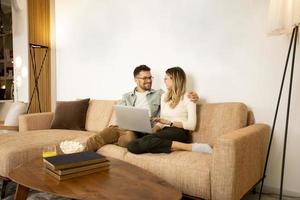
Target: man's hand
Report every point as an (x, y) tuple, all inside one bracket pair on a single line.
[(155, 129), (193, 96)]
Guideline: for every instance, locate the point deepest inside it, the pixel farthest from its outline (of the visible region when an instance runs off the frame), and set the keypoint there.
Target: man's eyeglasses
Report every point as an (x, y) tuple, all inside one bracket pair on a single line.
[(145, 78)]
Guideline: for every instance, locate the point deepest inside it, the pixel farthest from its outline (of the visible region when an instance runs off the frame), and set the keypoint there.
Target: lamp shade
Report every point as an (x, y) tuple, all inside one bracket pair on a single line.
[(283, 15)]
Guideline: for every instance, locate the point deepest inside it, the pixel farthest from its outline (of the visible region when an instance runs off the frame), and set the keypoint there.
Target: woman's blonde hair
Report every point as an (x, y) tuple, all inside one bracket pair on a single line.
[(177, 91)]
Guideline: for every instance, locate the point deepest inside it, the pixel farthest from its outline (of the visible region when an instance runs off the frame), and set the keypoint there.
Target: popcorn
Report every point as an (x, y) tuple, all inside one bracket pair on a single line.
[(71, 147)]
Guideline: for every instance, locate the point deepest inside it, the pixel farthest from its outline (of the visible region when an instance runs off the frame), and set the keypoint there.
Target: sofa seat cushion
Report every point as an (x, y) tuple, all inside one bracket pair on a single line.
[(16, 149), (189, 172), (113, 151)]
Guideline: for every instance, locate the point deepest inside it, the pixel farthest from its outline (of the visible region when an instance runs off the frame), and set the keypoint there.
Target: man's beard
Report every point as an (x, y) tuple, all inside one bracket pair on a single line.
[(146, 86)]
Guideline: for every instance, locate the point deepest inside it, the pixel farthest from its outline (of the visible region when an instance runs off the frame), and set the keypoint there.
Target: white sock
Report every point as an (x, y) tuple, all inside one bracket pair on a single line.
[(201, 148)]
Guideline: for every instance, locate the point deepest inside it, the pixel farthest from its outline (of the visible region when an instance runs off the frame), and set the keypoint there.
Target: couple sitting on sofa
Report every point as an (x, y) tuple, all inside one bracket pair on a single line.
[(177, 110)]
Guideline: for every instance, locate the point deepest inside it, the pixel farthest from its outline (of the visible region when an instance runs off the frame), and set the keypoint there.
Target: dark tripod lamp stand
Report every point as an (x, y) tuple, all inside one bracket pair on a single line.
[(36, 74), (290, 14)]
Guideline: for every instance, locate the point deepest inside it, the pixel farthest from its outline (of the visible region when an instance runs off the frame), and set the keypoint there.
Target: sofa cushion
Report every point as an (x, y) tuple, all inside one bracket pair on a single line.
[(98, 115), (187, 171), (70, 115), (113, 151), (16, 149), (215, 119)]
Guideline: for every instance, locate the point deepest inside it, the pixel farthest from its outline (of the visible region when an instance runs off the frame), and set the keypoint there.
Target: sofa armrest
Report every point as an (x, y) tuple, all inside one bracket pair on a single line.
[(238, 161), (35, 121)]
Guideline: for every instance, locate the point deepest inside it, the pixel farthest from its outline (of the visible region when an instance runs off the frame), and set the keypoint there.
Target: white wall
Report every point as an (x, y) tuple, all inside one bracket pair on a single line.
[(222, 45), (20, 49), (53, 55)]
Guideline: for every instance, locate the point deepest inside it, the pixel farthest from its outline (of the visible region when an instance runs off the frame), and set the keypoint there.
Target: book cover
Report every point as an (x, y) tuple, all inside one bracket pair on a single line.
[(68, 176), (66, 161), (80, 169)]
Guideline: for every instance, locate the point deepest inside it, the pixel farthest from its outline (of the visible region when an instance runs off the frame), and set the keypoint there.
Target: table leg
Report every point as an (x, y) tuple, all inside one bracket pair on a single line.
[(21, 193)]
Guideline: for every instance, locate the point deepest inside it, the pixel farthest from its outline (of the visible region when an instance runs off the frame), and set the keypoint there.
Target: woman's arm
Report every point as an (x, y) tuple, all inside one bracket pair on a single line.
[(189, 124), (160, 122)]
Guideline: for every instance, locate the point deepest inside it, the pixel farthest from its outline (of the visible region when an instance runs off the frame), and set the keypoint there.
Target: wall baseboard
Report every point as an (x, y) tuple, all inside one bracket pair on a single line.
[(268, 189)]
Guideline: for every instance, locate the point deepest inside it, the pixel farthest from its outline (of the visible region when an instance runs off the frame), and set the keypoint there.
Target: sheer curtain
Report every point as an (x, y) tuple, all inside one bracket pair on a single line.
[(283, 15)]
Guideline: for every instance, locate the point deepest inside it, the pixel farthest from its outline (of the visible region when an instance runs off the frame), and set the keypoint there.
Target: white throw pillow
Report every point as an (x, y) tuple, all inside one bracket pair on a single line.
[(12, 117)]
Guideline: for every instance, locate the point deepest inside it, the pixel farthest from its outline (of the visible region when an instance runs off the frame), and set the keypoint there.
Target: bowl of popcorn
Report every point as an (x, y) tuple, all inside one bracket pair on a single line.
[(70, 146)]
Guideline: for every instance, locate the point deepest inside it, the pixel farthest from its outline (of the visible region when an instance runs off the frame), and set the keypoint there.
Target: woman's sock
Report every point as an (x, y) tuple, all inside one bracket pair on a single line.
[(202, 148)]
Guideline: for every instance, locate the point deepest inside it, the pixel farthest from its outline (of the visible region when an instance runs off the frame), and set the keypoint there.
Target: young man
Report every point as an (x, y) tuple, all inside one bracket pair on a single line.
[(142, 97)]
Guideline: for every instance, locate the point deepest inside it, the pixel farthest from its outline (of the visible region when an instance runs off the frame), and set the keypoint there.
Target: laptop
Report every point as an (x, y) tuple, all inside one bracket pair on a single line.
[(132, 118)]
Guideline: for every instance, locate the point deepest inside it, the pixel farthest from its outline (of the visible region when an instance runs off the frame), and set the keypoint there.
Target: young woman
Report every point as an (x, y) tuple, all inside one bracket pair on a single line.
[(177, 119)]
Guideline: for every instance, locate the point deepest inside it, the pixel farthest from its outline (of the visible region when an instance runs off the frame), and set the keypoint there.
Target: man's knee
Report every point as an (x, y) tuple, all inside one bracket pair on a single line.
[(94, 143), (110, 134)]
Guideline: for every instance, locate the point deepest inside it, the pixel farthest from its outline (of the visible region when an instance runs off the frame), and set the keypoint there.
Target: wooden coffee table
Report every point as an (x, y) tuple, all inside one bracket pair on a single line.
[(121, 181)]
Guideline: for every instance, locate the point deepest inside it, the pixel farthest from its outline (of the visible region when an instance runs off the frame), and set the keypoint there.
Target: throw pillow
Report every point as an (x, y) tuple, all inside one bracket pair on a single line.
[(70, 115)]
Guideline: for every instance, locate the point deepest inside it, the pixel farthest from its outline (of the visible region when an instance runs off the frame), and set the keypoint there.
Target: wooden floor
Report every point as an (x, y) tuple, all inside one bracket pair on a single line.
[(266, 197), (255, 197)]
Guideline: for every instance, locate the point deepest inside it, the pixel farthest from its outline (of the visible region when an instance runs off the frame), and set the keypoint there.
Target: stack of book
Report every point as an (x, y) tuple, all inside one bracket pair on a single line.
[(67, 166)]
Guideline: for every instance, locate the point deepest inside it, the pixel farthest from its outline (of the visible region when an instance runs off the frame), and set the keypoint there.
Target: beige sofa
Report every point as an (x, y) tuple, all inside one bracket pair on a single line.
[(234, 167)]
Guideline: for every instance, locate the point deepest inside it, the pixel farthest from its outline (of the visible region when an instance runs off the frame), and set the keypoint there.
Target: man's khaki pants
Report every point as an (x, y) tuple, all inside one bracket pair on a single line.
[(110, 135)]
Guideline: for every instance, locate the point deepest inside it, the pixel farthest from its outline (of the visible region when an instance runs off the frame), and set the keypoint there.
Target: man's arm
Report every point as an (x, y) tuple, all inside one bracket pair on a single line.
[(192, 95), (122, 102)]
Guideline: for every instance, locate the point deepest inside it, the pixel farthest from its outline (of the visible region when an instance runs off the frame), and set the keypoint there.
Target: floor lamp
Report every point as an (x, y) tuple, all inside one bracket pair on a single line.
[(32, 49), (293, 43), (290, 14)]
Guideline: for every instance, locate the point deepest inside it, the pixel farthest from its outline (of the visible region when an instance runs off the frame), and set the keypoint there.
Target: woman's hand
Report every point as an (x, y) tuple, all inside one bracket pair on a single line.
[(167, 122), (161, 120)]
